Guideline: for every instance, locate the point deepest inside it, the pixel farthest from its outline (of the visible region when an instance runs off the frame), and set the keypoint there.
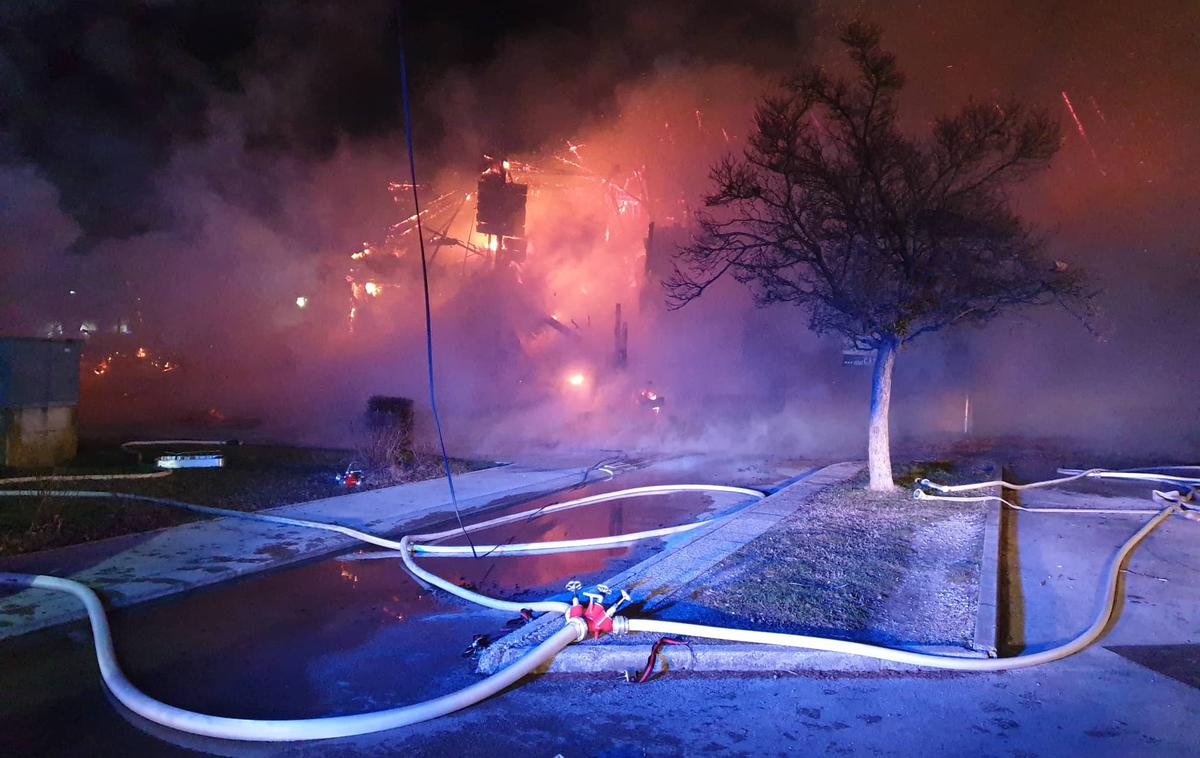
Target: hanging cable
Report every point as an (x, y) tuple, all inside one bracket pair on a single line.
[(412, 172)]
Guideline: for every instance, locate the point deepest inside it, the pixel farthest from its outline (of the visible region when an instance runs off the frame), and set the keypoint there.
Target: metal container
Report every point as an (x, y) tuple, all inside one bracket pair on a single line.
[(37, 372), (39, 392)]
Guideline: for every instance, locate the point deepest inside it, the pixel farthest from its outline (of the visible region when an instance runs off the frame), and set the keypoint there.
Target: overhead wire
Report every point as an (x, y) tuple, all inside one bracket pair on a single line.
[(412, 170)]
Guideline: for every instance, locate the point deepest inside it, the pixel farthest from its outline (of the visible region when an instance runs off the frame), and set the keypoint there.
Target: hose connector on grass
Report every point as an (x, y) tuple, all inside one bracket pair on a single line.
[(933, 486), (580, 626)]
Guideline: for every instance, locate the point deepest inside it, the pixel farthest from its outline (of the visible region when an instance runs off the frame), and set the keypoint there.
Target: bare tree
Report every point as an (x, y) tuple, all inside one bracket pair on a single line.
[(881, 236)]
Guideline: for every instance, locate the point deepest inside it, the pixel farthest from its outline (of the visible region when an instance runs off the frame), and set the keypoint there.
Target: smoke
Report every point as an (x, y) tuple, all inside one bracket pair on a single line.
[(34, 232), (196, 171)]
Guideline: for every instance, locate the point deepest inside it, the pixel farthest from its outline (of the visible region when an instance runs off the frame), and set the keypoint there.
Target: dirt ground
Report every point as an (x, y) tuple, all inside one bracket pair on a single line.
[(864, 566), (254, 477)]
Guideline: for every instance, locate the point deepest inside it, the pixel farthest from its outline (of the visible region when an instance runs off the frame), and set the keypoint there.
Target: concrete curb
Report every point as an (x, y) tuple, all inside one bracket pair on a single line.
[(629, 654), (660, 576), (986, 637), (137, 568)]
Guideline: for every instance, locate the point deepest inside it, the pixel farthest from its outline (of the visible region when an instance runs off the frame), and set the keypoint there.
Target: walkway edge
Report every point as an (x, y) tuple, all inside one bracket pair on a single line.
[(988, 600), (656, 579), (202, 553), (674, 567)]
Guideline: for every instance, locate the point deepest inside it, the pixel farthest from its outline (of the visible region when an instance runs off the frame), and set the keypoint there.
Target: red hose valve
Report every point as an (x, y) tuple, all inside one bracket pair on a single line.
[(597, 619)]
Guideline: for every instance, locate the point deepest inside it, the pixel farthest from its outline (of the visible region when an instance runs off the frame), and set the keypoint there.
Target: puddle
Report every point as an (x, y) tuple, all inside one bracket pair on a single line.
[(324, 638)]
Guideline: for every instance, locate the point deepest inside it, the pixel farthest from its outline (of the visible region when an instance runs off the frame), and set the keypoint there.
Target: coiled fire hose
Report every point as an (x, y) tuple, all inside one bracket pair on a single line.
[(575, 627)]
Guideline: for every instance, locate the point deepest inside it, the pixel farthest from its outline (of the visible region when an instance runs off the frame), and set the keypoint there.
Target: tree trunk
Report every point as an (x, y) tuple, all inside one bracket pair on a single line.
[(879, 452)]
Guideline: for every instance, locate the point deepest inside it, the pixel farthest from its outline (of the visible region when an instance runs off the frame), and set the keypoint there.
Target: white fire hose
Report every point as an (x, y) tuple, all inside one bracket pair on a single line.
[(82, 477), (267, 730), (575, 629), (954, 663), (284, 730)]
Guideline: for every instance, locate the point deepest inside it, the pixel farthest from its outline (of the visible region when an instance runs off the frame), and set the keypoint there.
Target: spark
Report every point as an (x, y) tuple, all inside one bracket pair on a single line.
[(141, 352), (699, 120), (301, 302), (590, 175), (1083, 132)]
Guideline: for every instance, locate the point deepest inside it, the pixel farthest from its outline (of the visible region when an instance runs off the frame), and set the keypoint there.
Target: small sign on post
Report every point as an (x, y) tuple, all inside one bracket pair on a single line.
[(852, 355)]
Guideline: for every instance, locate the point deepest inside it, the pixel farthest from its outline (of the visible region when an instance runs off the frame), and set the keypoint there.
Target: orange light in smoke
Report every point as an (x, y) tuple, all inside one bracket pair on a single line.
[(494, 243), (141, 352), (372, 289), (576, 379)]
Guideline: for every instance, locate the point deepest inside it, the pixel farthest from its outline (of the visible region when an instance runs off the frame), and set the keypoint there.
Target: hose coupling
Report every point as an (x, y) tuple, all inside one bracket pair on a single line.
[(580, 626), (620, 625), (933, 485)]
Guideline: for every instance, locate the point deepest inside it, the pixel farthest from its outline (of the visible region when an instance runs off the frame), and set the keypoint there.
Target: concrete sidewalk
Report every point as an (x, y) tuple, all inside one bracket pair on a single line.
[(1056, 590), (139, 567)]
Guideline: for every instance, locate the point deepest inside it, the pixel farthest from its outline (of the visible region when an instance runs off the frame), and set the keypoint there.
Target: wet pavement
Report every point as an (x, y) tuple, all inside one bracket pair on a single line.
[(323, 638), (296, 643)]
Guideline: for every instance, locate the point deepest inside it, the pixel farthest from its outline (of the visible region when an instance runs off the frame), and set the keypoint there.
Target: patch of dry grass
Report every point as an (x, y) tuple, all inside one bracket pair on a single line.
[(846, 562)]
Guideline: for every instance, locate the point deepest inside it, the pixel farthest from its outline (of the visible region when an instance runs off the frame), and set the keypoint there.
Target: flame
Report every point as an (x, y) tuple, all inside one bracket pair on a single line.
[(372, 289), (576, 379), (141, 352), (301, 302)]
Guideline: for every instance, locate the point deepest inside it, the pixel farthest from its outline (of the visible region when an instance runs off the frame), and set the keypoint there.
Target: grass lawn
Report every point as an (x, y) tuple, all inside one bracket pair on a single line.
[(254, 477), (862, 565)]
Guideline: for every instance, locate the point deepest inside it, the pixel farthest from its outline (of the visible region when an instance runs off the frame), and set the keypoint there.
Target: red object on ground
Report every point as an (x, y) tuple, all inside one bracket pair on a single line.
[(654, 655), (597, 619)]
